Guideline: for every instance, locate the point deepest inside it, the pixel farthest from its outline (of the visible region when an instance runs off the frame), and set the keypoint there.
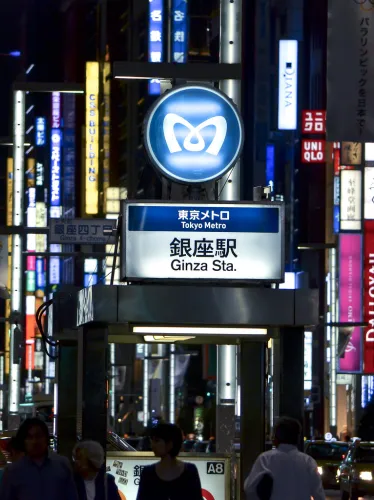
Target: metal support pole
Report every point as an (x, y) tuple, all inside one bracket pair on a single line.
[(252, 376), (229, 189), (17, 242), (230, 53)]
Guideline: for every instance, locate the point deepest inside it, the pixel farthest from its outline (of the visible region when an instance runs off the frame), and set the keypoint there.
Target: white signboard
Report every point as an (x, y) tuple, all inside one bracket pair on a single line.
[(127, 471), (287, 97), (203, 241), (350, 200), (82, 231), (308, 347), (369, 193)]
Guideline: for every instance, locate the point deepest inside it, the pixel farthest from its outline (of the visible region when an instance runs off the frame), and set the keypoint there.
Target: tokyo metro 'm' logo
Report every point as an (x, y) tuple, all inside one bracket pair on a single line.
[(218, 122), (193, 134)]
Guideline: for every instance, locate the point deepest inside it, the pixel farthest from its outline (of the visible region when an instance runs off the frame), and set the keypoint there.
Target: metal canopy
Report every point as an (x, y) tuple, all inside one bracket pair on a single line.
[(170, 71), (121, 307)]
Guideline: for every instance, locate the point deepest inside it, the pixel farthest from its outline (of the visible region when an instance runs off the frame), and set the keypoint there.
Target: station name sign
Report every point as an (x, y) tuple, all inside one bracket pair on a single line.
[(210, 241), (82, 231)]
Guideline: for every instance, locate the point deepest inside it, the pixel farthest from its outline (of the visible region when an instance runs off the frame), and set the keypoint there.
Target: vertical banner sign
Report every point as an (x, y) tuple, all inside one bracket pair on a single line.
[(155, 39), (69, 177), (351, 26), (92, 139), (369, 193), (369, 297), (350, 200), (55, 191), (40, 129), (287, 90), (106, 131), (179, 31), (55, 199), (69, 155), (350, 298)]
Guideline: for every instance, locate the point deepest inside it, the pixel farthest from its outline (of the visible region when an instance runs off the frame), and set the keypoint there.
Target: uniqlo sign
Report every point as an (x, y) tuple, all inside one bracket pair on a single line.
[(313, 151), (369, 297), (314, 122)]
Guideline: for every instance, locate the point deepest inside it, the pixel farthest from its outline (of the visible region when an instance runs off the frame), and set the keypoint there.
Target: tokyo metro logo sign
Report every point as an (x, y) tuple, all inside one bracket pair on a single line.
[(193, 134)]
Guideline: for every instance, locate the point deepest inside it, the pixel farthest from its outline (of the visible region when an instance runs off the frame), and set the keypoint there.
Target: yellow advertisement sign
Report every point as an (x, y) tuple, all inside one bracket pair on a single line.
[(92, 139)]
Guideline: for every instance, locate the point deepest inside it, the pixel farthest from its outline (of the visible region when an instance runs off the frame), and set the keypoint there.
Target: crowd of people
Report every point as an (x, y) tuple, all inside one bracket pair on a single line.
[(36, 473)]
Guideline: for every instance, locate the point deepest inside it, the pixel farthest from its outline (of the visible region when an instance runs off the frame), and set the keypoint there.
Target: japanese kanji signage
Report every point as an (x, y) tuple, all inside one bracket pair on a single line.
[(350, 71), (313, 151), (369, 193), (351, 154), (313, 122), (214, 474), (155, 39), (203, 241), (350, 200), (82, 231), (179, 31)]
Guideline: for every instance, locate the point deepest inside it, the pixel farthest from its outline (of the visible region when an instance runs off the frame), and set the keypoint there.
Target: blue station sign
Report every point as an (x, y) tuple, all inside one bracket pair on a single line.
[(193, 134)]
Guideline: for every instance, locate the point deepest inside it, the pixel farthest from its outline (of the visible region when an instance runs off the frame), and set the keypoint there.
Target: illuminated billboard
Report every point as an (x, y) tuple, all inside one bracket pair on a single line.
[(92, 139), (155, 40), (350, 200), (350, 298), (287, 90)]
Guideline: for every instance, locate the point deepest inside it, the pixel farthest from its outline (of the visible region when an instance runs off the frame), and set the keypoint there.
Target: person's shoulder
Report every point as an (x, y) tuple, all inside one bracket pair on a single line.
[(149, 470), (59, 459), (308, 459), (17, 467), (190, 468)]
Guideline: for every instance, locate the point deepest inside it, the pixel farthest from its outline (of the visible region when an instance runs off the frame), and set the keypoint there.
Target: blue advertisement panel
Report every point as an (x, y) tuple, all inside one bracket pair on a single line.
[(56, 143), (180, 31), (155, 39)]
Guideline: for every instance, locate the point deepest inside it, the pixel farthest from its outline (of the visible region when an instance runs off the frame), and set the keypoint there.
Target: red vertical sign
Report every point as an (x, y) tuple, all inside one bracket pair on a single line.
[(369, 297)]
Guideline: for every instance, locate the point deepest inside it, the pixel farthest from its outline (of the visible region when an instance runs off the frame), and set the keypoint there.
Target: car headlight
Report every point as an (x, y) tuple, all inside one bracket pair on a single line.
[(320, 470), (338, 472), (366, 475)]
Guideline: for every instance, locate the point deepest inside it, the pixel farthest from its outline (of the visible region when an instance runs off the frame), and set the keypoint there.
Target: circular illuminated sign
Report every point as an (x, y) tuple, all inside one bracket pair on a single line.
[(193, 134)]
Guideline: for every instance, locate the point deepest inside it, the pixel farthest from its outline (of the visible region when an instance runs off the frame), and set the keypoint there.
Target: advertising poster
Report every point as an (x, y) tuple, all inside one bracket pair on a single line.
[(369, 297), (350, 298), (127, 471), (350, 71)]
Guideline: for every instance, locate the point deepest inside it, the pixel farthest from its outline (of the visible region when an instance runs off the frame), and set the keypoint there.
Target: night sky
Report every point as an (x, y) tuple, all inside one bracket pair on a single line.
[(9, 66)]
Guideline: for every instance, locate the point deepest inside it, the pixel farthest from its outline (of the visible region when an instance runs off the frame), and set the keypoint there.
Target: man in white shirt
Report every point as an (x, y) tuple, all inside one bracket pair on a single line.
[(284, 473)]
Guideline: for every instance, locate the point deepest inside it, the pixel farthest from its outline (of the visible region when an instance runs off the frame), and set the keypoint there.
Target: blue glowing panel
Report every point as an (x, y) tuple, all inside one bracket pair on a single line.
[(336, 224), (40, 129), (270, 165), (56, 143), (179, 31), (193, 134), (155, 39)]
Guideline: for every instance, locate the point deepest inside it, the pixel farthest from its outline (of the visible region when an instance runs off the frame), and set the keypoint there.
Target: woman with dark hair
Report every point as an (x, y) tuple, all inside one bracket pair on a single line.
[(170, 478), (40, 474)]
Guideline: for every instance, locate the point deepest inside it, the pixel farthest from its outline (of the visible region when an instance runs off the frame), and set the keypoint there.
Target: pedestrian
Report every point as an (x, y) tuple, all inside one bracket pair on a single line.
[(91, 479), (40, 474), (284, 473), (170, 478), (14, 451)]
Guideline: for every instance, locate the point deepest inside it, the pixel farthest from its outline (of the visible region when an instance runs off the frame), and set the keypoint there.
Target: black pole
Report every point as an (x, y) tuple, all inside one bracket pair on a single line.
[(119, 227)]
